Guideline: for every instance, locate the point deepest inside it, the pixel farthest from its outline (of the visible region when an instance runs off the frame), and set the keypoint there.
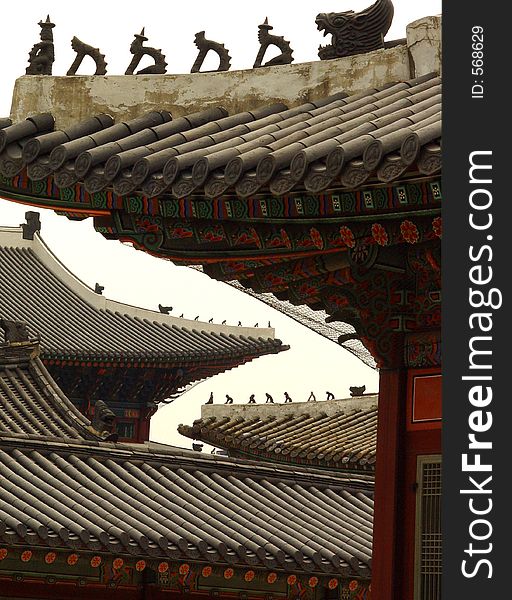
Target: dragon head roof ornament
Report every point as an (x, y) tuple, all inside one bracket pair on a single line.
[(355, 33)]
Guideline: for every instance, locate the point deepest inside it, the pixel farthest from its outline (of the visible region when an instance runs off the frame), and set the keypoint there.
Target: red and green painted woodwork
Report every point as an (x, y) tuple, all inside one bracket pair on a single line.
[(132, 387), (108, 572), (369, 257)]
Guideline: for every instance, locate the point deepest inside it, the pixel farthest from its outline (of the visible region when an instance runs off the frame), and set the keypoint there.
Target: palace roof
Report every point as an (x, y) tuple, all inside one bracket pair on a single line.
[(59, 490), (338, 434), (378, 133), (31, 403), (155, 501), (334, 204), (74, 322)]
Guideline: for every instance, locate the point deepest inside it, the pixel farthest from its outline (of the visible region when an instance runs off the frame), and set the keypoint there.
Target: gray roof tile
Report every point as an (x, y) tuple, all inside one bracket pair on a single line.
[(208, 153), (31, 404), (172, 503), (343, 438), (52, 301)]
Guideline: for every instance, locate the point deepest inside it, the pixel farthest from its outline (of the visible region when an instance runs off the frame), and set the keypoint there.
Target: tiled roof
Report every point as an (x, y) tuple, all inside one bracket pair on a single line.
[(340, 437), (150, 500), (341, 139), (31, 404), (75, 322)]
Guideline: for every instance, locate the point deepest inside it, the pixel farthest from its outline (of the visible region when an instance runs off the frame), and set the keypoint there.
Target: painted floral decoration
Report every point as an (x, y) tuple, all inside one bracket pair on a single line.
[(184, 569), (228, 573), (50, 558), (249, 575), (271, 578), (95, 561), (292, 579), (317, 238), (140, 565), (437, 226), (285, 238), (147, 225), (3, 553), (118, 563), (72, 559), (409, 232), (313, 581), (26, 556), (163, 567), (347, 236), (207, 571), (333, 583), (380, 234), (353, 585)]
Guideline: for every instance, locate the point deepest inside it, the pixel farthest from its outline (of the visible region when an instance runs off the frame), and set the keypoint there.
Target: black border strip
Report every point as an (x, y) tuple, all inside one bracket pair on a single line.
[(476, 128)]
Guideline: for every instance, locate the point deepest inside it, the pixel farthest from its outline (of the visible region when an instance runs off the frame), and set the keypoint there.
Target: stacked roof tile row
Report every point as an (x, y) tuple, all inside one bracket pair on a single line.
[(341, 139), (174, 503), (60, 490), (73, 321), (345, 438), (31, 404)]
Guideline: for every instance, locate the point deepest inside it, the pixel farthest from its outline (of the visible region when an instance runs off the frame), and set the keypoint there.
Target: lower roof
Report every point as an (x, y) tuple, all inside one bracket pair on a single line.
[(31, 404), (337, 434), (155, 501)]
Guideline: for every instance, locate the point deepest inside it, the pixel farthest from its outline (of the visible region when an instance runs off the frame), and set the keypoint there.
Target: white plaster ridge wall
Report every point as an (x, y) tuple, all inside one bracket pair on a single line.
[(263, 411), (71, 99), (424, 43)]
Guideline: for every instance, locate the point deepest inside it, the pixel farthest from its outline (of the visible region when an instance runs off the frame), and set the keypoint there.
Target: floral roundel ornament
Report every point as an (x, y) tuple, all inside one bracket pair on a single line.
[(140, 565), (72, 559), (379, 234), (347, 236), (26, 556), (271, 577), (409, 232), (3, 553), (95, 561), (50, 558), (207, 571), (118, 563)]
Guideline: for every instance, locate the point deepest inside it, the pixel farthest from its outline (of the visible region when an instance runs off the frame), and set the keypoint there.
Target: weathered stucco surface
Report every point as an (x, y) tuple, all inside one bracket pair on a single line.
[(424, 43), (70, 99), (263, 411)]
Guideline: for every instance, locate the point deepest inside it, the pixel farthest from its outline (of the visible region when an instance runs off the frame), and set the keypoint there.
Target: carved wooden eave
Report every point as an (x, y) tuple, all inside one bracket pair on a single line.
[(334, 204)]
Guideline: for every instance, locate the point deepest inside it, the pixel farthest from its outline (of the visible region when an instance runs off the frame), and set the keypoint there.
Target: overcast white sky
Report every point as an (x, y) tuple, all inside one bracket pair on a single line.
[(139, 279)]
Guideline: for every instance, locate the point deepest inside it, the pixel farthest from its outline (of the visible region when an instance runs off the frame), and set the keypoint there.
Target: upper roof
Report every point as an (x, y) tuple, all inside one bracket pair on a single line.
[(377, 133), (36, 288), (31, 404), (334, 434)]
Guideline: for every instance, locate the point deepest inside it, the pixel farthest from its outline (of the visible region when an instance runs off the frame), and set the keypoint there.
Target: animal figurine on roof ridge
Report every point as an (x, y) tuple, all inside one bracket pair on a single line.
[(204, 45), (266, 40), (42, 55), (82, 50), (138, 50)]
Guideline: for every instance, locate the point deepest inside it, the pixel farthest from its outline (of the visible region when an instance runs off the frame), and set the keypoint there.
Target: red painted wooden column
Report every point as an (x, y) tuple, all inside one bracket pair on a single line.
[(388, 482)]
